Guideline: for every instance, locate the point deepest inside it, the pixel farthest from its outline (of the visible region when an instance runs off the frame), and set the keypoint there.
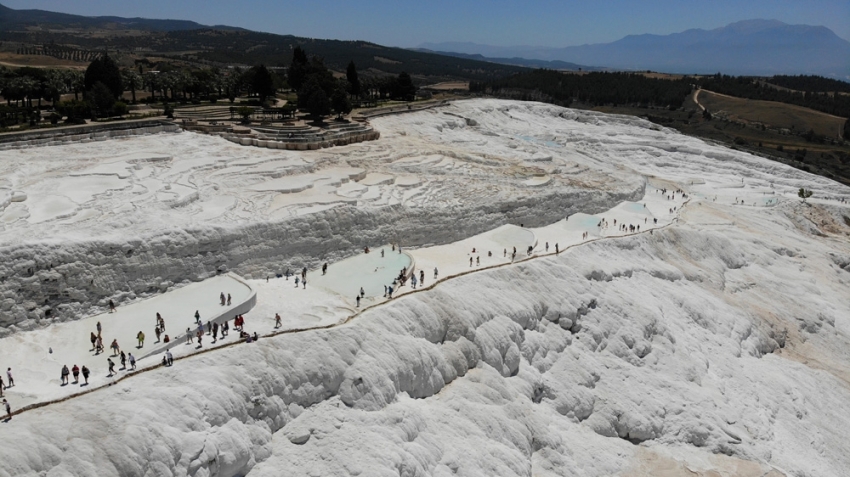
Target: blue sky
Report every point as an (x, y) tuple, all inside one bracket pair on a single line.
[(495, 22)]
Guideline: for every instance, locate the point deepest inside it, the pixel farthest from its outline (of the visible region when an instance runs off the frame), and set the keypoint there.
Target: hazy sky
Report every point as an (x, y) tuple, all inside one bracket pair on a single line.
[(495, 22)]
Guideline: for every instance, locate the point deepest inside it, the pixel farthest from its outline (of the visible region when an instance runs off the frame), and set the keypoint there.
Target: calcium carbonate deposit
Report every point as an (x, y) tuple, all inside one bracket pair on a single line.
[(596, 296)]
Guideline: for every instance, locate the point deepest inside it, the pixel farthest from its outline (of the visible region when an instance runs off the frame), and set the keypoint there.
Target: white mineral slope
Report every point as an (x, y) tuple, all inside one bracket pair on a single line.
[(719, 345), (129, 218), (630, 356)]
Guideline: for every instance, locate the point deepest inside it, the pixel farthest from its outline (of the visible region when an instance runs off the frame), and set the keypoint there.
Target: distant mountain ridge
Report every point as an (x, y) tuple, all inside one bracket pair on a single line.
[(11, 19), (223, 45), (516, 61), (750, 47)]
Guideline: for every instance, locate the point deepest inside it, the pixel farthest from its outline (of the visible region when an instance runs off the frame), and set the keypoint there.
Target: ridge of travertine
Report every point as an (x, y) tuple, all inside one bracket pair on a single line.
[(718, 344)]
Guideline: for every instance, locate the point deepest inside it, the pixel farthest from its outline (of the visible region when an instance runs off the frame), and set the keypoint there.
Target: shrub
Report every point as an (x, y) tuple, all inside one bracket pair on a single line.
[(120, 108)]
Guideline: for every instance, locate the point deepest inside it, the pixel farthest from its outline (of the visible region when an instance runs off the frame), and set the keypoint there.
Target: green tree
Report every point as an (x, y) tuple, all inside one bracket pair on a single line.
[(104, 70), (133, 81), (298, 68), (101, 98), (340, 102), (353, 80), (245, 112), (404, 88), (804, 194), (313, 99), (261, 82)]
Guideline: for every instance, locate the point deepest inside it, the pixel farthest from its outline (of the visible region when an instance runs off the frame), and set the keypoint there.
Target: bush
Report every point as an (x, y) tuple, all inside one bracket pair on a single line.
[(54, 118), (120, 108), (245, 112), (75, 110)]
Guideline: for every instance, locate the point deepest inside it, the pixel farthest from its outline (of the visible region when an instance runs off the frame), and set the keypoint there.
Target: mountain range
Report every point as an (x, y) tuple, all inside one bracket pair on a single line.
[(11, 19), (750, 47)]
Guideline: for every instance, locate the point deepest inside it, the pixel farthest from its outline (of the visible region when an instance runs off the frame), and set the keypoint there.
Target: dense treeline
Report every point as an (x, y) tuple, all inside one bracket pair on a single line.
[(810, 83), (98, 92), (591, 88), (750, 88), (319, 92)]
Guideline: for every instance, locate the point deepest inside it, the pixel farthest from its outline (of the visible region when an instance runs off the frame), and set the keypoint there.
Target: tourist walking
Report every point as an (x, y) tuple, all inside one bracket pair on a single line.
[(111, 306), (228, 299), (8, 410), (93, 341), (132, 361), (111, 367), (215, 332), (225, 328), (2, 386), (157, 332), (123, 360), (277, 323), (76, 372), (222, 299), (422, 278), (99, 328), (188, 336), (325, 268), (141, 338), (197, 316), (65, 373), (99, 346), (86, 373), (115, 348), (362, 292), (435, 273), (169, 357), (357, 298)]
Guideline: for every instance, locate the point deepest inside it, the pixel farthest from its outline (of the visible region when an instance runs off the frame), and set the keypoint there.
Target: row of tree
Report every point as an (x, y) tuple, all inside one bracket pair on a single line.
[(61, 52), (810, 83), (591, 88), (319, 92), (103, 84)]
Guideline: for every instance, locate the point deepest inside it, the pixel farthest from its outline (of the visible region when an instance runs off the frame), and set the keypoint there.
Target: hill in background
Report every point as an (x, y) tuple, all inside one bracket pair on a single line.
[(751, 47), (41, 32)]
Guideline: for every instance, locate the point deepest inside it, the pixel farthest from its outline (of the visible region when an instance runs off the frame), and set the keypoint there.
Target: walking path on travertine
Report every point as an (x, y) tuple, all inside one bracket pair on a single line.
[(329, 300), (326, 301)]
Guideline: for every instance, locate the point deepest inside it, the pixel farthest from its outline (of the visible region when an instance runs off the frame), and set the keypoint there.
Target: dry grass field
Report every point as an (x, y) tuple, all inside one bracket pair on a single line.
[(449, 86), (14, 60), (781, 115)]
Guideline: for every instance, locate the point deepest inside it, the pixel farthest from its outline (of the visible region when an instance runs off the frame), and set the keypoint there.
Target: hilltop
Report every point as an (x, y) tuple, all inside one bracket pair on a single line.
[(40, 32), (750, 47)]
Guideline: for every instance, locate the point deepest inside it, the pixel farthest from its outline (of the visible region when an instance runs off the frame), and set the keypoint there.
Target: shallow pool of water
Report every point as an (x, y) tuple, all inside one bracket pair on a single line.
[(583, 221), (367, 270)]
